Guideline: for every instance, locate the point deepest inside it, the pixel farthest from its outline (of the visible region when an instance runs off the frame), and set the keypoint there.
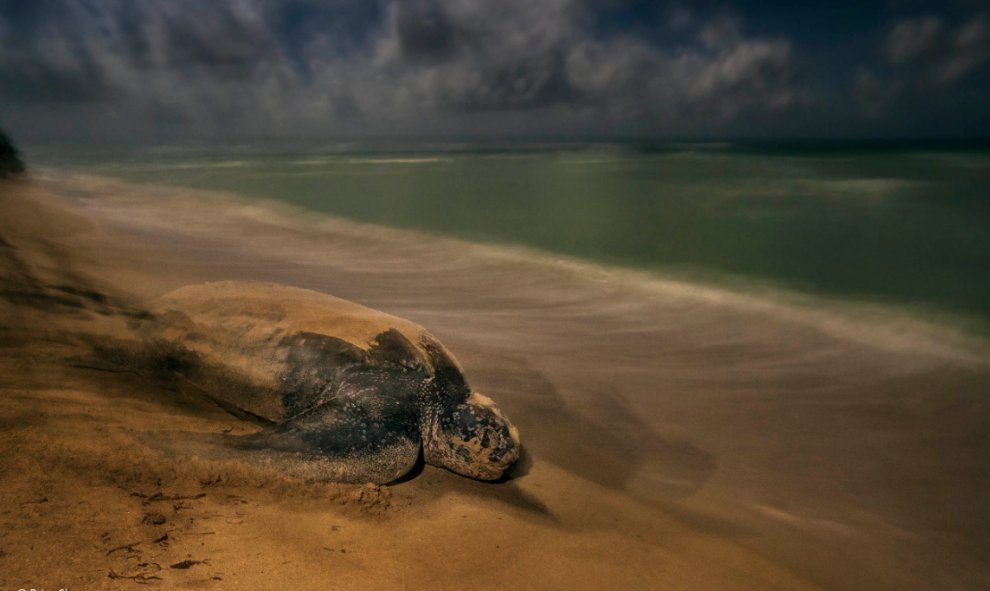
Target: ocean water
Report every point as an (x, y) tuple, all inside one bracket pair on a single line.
[(763, 342), (902, 224)]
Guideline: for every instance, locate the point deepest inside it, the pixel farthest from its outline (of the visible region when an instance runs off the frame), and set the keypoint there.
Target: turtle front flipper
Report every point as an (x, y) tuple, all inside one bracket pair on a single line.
[(350, 437)]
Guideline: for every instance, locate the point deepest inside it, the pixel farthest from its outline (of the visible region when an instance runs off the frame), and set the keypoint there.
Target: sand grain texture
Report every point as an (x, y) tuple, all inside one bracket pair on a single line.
[(677, 436), (88, 504)]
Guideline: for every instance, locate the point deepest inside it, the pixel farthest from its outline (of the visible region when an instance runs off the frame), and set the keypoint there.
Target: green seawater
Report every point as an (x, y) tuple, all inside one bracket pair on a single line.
[(904, 224)]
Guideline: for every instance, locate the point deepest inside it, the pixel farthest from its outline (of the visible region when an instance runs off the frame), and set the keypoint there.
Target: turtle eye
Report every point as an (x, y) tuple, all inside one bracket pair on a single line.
[(465, 424), (483, 428)]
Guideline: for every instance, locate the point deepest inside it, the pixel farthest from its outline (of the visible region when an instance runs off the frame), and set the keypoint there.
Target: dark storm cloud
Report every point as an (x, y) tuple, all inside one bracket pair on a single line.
[(28, 15), (217, 40), (331, 67), (476, 59), (44, 59), (78, 79), (424, 31)]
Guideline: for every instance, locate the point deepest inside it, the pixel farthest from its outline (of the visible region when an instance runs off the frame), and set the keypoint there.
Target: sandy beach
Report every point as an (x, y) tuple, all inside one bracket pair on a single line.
[(677, 435)]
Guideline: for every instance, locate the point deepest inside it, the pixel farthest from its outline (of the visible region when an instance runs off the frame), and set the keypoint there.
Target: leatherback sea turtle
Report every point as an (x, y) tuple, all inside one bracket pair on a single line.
[(349, 394)]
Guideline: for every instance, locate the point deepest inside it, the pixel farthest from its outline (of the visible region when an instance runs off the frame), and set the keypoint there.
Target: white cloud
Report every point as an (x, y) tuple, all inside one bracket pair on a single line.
[(942, 54), (911, 39), (722, 75), (970, 50), (423, 65)]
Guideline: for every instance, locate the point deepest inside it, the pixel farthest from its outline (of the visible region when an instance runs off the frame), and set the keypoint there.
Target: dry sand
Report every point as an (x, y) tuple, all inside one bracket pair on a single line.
[(681, 439)]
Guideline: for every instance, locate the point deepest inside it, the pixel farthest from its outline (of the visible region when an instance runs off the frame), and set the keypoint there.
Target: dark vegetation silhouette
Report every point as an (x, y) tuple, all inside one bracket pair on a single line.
[(10, 159)]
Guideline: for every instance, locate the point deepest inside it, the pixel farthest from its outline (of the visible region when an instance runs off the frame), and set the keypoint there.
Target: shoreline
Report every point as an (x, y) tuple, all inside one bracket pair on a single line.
[(877, 323), (644, 473), (880, 231)]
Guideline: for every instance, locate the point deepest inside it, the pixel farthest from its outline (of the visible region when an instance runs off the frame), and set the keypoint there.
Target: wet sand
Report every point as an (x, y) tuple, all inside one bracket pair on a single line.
[(677, 435)]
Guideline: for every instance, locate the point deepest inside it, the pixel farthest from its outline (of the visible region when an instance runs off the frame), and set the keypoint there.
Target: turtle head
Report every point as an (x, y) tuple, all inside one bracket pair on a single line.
[(473, 438)]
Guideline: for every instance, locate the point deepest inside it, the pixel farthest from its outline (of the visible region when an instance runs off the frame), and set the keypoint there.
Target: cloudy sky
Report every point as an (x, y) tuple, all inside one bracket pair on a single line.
[(166, 70)]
